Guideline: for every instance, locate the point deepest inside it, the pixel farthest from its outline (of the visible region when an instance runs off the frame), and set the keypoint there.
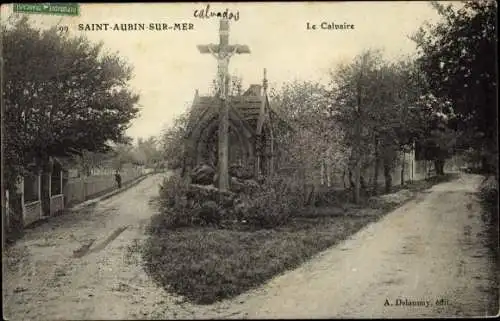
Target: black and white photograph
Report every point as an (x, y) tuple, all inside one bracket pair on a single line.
[(249, 160)]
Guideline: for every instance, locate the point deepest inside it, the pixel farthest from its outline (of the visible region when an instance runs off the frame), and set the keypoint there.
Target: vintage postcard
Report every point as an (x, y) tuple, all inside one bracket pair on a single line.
[(249, 160)]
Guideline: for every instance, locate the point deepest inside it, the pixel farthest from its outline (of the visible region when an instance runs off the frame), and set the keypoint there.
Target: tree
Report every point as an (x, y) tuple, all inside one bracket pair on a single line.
[(123, 154), (172, 141), (235, 86), (395, 128), (355, 92), (435, 138), (458, 57), (62, 95), (146, 152), (372, 99), (87, 160), (318, 146)]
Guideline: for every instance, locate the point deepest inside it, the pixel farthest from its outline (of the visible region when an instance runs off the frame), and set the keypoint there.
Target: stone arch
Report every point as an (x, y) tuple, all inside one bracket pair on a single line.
[(207, 129)]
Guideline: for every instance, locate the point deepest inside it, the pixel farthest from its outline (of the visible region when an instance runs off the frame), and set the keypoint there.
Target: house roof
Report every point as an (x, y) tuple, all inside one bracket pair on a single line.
[(248, 106)]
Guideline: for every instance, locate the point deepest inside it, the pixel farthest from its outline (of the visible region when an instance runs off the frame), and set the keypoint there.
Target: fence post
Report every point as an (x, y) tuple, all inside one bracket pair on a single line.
[(39, 187), (50, 191), (412, 173)]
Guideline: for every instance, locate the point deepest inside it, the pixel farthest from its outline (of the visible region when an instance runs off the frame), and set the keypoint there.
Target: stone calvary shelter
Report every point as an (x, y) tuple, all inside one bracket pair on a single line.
[(231, 130), (251, 143)]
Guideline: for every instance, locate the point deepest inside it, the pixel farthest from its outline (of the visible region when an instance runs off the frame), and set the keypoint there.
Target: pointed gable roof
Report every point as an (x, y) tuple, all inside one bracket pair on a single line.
[(246, 107)]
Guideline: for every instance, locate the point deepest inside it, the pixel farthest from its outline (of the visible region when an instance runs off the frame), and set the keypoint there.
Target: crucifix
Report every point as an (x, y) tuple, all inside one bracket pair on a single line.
[(222, 53)]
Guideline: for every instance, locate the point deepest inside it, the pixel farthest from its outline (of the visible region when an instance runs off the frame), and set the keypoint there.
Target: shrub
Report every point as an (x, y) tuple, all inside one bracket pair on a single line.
[(184, 205), (266, 206), (272, 205), (488, 192), (176, 210)]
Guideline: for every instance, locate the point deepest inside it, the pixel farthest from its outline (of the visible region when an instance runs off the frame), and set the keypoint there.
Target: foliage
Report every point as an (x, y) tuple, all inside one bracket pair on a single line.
[(371, 99), (458, 58), (488, 197), (268, 206), (147, 152), (272, 204), (235, 86), (354, 89), (123, 154), (62, 95), (88, 160), (317, 142), (488, 194), (172, 141), (174, 204), (435, 140)]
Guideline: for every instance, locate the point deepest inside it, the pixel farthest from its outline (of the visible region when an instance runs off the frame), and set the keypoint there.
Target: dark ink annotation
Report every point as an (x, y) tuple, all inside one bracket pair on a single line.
[(207, 13)]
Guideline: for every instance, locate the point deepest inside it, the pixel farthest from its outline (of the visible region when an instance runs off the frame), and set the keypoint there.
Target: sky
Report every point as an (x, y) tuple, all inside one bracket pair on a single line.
[(168, 67)]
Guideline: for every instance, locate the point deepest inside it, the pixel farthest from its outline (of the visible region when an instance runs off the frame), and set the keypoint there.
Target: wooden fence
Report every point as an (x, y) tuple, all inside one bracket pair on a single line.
[(338, 179), (78, 190)]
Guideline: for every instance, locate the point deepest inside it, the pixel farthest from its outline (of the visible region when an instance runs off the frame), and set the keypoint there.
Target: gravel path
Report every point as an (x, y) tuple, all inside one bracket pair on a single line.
[(78, 266)]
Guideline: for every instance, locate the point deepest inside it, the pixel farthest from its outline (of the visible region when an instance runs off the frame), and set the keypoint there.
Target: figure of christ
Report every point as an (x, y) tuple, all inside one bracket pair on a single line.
[(222, 69)]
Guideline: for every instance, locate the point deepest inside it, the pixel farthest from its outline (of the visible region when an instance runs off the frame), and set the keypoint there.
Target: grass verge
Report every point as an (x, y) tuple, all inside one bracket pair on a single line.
[(206, 265), (488, 196)]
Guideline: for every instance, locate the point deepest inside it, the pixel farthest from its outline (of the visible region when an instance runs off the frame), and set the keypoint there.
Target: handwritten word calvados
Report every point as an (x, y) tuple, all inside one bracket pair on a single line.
[(207, 13)]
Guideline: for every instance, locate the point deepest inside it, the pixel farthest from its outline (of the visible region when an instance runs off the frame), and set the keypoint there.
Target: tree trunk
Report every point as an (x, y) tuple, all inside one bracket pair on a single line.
[(351, 182), (303, 182), (328, 177), (387, 176), (362, 183), (322, 174), (357, 156), (357, 182), (376, 171), (403, 170)]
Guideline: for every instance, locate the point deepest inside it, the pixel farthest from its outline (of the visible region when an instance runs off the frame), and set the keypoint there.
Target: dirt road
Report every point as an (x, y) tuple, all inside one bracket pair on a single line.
[(430, 250), (77, 267)]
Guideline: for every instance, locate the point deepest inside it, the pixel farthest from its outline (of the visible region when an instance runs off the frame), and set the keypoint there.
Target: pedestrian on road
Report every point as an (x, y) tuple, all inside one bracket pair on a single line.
[(118, 179)]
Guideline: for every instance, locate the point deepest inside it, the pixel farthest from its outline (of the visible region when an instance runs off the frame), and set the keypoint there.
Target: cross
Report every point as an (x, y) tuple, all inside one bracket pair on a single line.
[(222, 53)]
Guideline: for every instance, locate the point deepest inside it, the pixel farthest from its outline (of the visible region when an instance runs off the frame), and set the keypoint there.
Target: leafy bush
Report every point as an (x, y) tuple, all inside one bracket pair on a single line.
[(267, 206), (488, 193), (183, 205), (176, 210), (272, 205)]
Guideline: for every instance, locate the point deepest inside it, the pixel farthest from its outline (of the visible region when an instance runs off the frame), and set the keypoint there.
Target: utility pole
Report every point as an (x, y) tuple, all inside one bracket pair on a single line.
[(222, 53)]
